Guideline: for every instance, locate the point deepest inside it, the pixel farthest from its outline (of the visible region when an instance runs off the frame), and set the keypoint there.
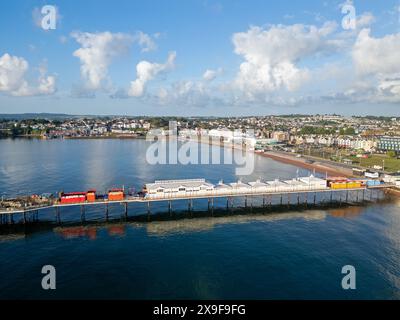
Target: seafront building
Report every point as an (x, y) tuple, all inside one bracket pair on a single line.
[(200, 187), (178, 187), (388, 143)]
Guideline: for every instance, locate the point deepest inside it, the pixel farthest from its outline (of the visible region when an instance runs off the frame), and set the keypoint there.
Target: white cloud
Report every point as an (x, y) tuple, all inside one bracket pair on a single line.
[(210, 75), (46, 83), (145, 41), (13, 71), (271, 55), (269, 75), (146, 71), (365, 20), (188, 93), (97, 52), (389, 89), (377, 65), (162, 94), (376, 55), (276, 65)]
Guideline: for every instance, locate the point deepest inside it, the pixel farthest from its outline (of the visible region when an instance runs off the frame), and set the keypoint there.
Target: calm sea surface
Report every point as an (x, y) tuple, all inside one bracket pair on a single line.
[(231, 255)]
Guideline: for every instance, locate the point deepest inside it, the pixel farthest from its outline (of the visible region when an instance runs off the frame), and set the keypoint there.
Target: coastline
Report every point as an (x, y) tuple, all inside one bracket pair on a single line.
[(40, 137), (332, 169), (317, 166), (105, 137)]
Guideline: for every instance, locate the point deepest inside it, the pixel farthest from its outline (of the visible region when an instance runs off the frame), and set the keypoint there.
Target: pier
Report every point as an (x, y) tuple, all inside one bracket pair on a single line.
[(299, 193)]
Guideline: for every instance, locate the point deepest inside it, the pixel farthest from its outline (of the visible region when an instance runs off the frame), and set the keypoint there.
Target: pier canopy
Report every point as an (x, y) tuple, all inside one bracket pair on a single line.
[(257, 184), (240, 186), (178, 186), (314, 181), (222, 187), (295, 183)]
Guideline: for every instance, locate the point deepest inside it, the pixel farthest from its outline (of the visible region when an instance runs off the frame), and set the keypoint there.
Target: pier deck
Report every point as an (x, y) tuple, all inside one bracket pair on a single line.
[(205, 195)]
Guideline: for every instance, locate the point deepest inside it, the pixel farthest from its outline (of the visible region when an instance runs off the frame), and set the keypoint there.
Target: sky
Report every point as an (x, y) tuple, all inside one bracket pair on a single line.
[(200, 57)]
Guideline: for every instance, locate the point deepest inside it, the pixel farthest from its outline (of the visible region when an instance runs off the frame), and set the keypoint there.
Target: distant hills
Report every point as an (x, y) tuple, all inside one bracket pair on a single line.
[(24, 116), (49, 116), (63, 116)]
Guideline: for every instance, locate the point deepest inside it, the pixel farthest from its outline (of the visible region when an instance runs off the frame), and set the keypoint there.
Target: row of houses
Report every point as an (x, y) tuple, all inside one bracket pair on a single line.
[(200, 187), (367, 145)]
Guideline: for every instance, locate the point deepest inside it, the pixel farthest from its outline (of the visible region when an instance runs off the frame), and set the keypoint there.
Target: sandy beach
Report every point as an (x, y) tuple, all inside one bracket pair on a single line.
[(331, 170)]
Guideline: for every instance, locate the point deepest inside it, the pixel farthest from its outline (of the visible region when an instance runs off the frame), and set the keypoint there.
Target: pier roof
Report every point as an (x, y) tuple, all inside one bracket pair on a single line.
[(221, 186), (239, 184), (173, 184), (257, 184), (294, 182), (276, 183)]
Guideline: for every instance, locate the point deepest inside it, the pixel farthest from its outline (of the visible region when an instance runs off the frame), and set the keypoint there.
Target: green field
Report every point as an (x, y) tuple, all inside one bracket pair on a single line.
[(391, 164)]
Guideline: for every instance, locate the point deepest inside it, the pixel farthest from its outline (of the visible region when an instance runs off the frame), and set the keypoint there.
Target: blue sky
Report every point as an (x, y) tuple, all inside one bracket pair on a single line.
[(200, 57)]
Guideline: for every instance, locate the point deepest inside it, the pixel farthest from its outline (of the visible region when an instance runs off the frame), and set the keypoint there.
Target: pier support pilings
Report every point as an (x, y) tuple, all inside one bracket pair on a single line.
[(106, 211), (126, 209), (190, 205), (82, 213), (169, 206)]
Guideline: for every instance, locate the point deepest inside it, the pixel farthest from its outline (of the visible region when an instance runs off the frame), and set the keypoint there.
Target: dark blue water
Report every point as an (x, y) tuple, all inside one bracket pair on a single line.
[(233, 255)]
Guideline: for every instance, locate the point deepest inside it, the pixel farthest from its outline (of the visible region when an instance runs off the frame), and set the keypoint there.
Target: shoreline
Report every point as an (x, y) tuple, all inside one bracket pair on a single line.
[(104, 137), (331, 170), (317, 166)]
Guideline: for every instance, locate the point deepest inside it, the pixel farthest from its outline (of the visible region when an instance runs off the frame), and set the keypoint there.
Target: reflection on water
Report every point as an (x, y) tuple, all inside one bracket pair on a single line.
[(350, 212), (184, 225), (90, 232), (11, 236), (162, 228), (164, 224)]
